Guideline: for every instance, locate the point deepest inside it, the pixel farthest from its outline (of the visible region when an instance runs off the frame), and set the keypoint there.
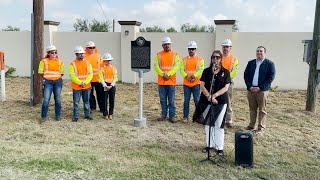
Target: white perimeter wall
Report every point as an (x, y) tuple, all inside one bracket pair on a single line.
[(284, 49)]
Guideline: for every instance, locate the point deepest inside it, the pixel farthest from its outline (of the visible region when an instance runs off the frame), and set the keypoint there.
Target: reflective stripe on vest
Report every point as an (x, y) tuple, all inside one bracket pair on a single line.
[(81, 77), (106, 79), (96, 70), (232, 62), (191, 72), (166, 68), (51, 74)]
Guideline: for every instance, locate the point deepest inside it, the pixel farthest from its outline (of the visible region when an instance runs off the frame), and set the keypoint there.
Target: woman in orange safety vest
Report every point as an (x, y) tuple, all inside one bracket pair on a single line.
[(51, 68)]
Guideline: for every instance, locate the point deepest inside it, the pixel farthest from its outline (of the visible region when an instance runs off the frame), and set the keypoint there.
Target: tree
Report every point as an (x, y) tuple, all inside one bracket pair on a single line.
[(152, 29), (187, 27), (172, 29), (11, 28), (83, 25), (235, 27), (97, 26)]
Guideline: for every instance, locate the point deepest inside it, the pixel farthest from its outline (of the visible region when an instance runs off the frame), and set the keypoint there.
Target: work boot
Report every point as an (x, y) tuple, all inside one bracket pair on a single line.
[(88, 118), (43, 119), (229, 125), (161, 119), (172, 120), (106, 117), (110, 117), (74, 119)]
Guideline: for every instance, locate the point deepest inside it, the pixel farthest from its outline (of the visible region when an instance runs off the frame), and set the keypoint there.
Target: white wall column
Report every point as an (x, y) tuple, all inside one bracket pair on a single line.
[(128, 34), (223, 31), (48, 33)]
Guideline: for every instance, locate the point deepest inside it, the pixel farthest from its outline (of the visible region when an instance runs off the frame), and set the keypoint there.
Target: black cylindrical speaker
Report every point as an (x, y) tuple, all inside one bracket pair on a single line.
[(243, 149)]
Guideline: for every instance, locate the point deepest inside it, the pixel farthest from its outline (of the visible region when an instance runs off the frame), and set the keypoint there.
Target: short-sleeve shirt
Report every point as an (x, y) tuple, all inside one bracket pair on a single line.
[(220, 80)]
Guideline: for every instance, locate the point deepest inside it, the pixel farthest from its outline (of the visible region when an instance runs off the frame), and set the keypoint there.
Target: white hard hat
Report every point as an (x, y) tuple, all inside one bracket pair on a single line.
[(107, 57), (51, 48), (192, 44), (78, 49), (226, 42), (90, 44), (166, 40)]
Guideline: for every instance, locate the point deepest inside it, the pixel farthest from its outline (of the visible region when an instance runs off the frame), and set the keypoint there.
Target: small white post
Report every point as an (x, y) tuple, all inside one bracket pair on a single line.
[(3, 73), (3, 86)]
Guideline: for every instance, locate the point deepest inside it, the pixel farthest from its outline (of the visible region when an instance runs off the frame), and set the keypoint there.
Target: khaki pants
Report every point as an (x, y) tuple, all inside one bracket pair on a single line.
[(258, 101), (228, 118)]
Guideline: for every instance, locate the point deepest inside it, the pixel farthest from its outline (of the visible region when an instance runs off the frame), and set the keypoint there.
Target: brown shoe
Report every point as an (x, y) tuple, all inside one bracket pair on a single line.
[(110, 117), (229, 125), (106, 117), (185, 120), (161, 119), (249, 128)]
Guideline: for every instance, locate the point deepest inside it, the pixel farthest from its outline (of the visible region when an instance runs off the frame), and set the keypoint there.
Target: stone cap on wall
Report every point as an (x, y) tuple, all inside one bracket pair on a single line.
[(54, 23), (137, 23), (224, 22)]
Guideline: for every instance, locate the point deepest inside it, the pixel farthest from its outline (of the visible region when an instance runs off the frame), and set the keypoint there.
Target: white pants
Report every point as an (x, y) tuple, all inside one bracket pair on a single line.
[(217, 133)]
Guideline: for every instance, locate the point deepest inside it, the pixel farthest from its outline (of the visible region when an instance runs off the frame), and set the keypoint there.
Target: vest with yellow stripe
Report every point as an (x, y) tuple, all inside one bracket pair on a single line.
[(52, 69), (81, 71), (166, 63), (191, 66)]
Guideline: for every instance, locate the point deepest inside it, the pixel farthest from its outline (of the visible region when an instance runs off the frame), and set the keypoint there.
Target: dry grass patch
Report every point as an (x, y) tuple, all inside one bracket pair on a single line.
[(100, 149)]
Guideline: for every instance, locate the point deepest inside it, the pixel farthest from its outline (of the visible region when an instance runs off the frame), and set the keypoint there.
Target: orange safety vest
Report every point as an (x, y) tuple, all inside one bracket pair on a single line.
[(191, 65), (227, 62), (166, 63), (51, 69), (81, 70), (108, 73), (95, 61)]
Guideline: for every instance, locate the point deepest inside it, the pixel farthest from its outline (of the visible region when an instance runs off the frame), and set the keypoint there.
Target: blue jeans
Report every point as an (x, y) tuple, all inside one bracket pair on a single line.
[(50, 86), (195, 90), (167, 95), (85, 93)]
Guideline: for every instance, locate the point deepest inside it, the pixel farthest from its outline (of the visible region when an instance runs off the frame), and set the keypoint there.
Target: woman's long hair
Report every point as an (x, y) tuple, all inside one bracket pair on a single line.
[(215, 52)]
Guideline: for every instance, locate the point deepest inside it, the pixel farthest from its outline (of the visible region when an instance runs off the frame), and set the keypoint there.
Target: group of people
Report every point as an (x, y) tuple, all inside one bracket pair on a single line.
[(212, 88), (89, 72)]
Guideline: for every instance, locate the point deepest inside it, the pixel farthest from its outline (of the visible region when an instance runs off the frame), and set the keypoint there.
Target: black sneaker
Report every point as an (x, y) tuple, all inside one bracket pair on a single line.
[(89, 118), (206, 149), (58, 118), (75, 120), (220, 153)]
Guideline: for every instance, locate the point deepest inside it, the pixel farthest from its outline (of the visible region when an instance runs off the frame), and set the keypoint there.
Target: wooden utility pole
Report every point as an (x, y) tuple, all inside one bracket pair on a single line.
[(313, 72), (38, 50)]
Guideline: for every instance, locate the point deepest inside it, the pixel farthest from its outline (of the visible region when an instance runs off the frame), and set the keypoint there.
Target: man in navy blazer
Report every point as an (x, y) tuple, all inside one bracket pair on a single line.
[(258, 76)]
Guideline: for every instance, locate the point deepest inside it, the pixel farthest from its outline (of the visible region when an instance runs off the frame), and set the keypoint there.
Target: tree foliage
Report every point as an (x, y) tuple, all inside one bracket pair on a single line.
[(235, 27), (152, 29), (83, 25), (11, 28), (172, 29), (187, 27)]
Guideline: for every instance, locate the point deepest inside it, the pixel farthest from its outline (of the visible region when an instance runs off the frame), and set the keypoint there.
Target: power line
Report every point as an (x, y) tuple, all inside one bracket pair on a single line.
[(102, 10)]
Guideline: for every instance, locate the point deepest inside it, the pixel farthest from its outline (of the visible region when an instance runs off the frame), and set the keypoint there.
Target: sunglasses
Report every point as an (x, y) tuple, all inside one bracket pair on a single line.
[(259, 51), (91, 47), (192, 49), (54, 52), (226, 46), (216, 57)]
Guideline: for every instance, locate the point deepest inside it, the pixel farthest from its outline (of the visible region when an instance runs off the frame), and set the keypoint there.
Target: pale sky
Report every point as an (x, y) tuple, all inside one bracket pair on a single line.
[(253, 15)]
